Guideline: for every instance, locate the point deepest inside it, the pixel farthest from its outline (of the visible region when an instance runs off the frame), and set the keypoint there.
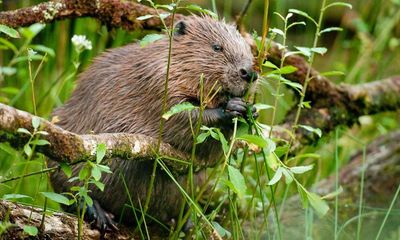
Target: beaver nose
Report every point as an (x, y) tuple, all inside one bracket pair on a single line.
[(248, 75)]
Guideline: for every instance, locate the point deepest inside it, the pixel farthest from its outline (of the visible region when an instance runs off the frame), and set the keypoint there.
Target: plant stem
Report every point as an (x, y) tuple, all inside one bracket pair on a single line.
[(278, 87), (360, 204), (336, 182), (306, 81), (262, 52), (388, 212), (164, 107), (32, 87)]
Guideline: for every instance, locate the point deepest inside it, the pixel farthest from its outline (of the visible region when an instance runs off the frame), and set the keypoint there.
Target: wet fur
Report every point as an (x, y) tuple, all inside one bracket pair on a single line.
[(122, 91)]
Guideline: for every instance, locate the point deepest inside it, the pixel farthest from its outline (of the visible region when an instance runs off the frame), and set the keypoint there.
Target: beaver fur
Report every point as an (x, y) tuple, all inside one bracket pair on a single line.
[(122, 91)]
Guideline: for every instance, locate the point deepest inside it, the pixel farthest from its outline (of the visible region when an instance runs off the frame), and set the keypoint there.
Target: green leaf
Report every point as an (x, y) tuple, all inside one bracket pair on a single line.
[(257, 140), (317, 203), (100, 152), (277, 31), (16, 196), (40, 142), (164, 15), (145, 17), (25, 131), (340, 4), (288, 16), (319, 50), (261, 106), (27, 150), (295, 24), (288, 176), (304, 14), (237, 180), (150, 38), (270, 65), (84, 173), (98, 184), (30, 32), (288, 69), (66, 169), (30, 230), (169, 7), (44, 49), (222, 139), (306, 104), (296, 86), (303, 196), (332, 73), (290, 53), (42, 133), (279, 15), (333, 194), (35, 122), (305, 51), (197, 8), (88, 200), (311, 129), (185, 106), (9, 45), (7, 71), (96, 173), (305, 155), (73, 179), (222, 232), (9, 31), (56, 197), (271, 146), (36, 57), (104, 168), (301, 169), (331, 29), (277, 176), (202, 137), (272, 161)]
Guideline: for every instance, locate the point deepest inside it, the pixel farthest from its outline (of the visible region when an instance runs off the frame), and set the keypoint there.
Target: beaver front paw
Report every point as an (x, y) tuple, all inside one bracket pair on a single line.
[(237, 107), (99, 218)]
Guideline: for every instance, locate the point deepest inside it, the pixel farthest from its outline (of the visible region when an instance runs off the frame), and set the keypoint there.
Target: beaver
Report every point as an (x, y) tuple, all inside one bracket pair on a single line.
[(122, 91)]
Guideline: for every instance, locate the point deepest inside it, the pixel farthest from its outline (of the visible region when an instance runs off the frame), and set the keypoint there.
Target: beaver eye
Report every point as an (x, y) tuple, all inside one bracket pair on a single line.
[(216, 47)]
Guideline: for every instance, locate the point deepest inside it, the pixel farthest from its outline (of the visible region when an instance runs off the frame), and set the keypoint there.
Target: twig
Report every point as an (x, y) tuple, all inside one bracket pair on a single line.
[(240, 17)]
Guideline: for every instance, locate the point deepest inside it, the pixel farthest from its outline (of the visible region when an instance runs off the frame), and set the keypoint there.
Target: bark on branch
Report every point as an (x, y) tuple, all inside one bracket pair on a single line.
[(56, 225), (70, 147), (113, 13)]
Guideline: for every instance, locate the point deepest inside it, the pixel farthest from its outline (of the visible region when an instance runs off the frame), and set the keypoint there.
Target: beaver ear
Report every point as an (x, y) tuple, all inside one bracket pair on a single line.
[(180, 28)]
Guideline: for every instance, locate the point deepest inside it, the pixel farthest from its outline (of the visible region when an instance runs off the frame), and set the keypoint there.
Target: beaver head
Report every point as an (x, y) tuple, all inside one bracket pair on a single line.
[(215, 49)]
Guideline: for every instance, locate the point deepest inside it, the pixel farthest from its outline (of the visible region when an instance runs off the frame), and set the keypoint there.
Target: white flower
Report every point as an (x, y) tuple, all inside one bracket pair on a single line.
[(81, 43)]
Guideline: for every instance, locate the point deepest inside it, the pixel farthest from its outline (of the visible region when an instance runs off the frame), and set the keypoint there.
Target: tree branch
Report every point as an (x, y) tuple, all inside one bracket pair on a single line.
[(343, 105), (113, 13), (70, 147), (57, 225)]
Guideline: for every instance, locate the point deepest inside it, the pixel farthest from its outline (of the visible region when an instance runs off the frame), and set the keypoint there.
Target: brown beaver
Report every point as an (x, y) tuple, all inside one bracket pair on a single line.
[(122, 91)]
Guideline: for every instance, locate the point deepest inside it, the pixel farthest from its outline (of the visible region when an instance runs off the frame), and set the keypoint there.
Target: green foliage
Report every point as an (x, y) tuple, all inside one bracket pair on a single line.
[(59, 198), (186, 106), (150, 38), (30, 230)]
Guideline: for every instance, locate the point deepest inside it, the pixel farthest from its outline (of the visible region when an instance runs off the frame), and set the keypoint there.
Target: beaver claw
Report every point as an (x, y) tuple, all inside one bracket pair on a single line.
[(99, 218), (236, 107)]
